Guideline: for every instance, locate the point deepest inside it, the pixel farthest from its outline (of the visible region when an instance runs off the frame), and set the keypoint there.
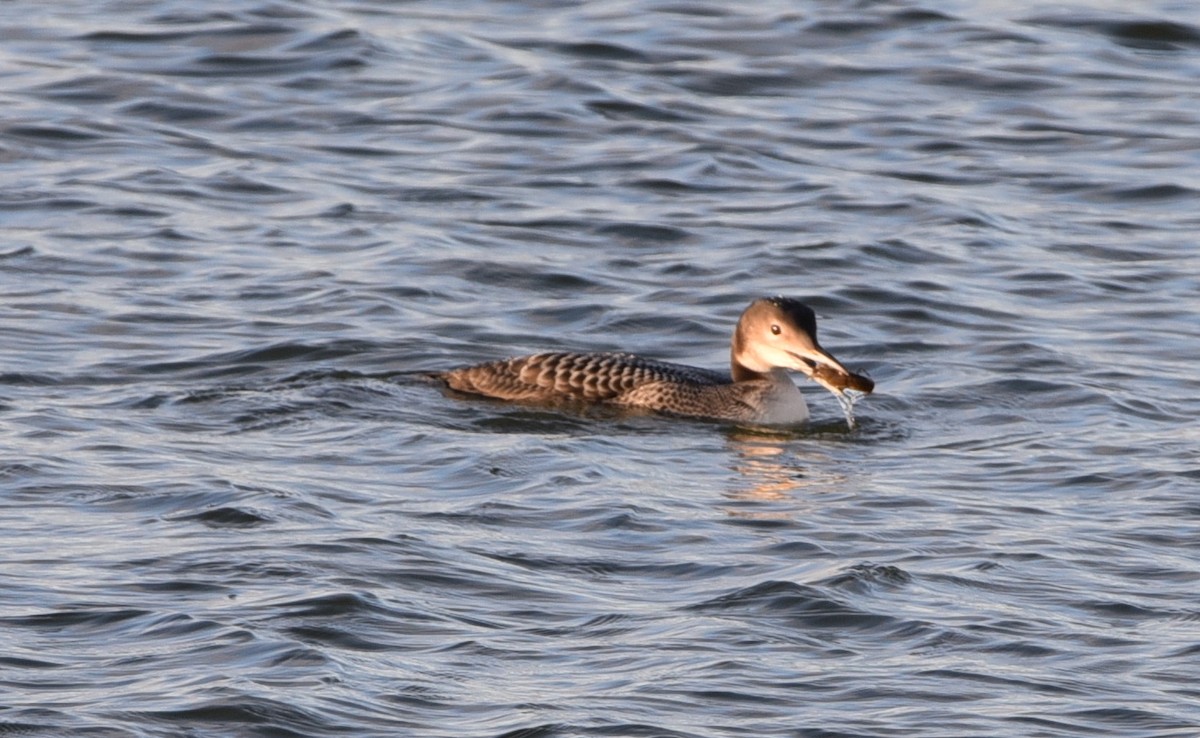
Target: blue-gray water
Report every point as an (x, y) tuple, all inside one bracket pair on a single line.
[(231, 230)]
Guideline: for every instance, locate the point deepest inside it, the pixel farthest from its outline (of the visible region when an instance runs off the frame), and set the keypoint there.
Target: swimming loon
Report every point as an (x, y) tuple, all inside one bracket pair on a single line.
[(773, 335)]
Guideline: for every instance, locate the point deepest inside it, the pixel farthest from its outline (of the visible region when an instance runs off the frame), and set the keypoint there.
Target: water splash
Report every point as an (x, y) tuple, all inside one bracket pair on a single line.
[(847, 398)]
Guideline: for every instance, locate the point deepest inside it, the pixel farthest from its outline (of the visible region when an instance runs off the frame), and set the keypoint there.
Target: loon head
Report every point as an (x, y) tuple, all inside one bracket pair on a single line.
[(781, 333)]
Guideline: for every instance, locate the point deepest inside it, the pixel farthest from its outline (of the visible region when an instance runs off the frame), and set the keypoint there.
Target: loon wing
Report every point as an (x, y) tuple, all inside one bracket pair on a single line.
[(590, 377)]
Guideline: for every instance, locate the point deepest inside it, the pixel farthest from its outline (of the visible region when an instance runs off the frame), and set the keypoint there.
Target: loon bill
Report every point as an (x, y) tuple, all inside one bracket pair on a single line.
[(773, 335)]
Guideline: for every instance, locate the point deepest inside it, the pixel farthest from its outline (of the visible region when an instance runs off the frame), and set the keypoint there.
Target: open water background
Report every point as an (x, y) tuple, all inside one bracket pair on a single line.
[(231, 229)]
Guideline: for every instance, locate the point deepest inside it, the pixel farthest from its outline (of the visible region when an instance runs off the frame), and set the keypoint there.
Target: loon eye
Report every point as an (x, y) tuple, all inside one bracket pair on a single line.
[(776, 329)]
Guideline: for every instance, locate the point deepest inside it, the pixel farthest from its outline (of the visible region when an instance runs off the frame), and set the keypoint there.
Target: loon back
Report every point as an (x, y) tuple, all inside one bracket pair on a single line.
[(583, 377), (630, 381)]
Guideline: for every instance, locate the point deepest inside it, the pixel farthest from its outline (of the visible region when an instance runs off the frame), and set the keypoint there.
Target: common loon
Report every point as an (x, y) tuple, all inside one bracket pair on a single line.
[(773, 335)]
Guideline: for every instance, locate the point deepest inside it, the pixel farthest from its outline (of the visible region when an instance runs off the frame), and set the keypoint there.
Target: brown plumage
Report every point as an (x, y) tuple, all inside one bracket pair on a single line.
[(772, 336)]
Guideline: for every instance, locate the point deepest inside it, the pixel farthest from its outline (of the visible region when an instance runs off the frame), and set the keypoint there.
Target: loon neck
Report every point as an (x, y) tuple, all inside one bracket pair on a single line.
[(742, 373)]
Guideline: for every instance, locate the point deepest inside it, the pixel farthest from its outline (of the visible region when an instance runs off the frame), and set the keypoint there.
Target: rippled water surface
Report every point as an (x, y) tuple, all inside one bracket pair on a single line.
[(233, 231)]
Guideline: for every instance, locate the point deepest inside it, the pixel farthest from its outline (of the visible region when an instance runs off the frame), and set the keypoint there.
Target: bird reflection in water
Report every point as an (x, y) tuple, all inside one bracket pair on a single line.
[(771, 472)]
